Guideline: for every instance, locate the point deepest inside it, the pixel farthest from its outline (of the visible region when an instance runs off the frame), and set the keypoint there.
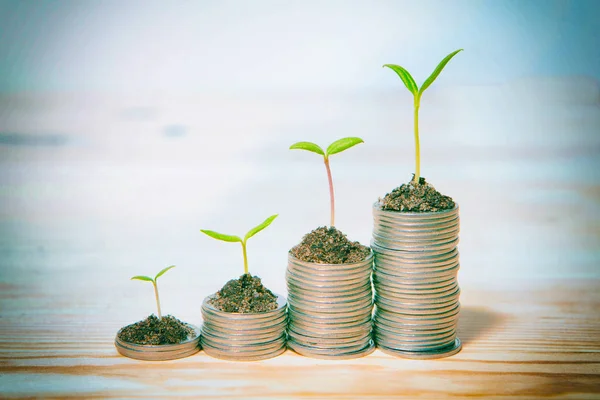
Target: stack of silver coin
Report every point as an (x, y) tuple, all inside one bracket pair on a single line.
[(330, 308), (415, 281), (244, 336), (160, 352)]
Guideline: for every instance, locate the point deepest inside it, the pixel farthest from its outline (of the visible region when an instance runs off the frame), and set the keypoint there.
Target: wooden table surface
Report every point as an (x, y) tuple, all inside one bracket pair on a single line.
[(78, 220)]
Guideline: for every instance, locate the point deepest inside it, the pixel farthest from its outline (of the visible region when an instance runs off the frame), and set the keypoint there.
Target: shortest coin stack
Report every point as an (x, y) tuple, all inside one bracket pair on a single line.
[(244, 337), (161, 352), (330, 308)]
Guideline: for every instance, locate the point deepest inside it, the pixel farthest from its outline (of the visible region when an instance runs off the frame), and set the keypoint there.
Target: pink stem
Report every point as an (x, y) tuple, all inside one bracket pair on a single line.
[(330, 191)]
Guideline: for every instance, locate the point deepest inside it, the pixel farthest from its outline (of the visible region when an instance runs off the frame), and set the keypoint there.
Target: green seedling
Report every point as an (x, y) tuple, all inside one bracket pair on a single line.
[(417, 92), (336, 147), (232, 238), (153, 280)]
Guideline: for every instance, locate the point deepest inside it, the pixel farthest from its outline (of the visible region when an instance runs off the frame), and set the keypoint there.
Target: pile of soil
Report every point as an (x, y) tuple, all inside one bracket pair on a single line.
[(244, 295), (416, 197), (329, 246), (167, 330)]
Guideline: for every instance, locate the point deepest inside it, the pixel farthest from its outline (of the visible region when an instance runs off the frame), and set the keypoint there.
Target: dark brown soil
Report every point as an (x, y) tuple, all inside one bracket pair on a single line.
[(244, 295), (167, 330), (416, 197), (329, 246)]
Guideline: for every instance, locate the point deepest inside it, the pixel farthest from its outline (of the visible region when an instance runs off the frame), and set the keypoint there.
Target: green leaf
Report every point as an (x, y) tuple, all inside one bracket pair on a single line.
[(343, 144), (308, 146), (220, 236), (408, 80), (161, 273), (437, 71), (143, 278), (260, 227)]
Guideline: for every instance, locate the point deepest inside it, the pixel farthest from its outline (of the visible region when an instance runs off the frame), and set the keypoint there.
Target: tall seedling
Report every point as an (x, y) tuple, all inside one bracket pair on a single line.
[(417, 92)]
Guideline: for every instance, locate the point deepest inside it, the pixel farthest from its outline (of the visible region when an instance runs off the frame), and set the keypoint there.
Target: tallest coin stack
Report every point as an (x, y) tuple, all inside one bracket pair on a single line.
[(415, 281)]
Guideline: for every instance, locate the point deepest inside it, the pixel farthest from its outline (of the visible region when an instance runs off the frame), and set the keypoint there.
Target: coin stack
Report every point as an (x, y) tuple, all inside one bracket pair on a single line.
[(244, 336), (415, 281), (161, 352), (330, 307)]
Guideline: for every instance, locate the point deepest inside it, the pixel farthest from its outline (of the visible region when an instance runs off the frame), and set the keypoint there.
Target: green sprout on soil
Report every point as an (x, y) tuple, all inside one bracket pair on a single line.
[(417, 92), (232, 238), (336, 147), (153, 280)]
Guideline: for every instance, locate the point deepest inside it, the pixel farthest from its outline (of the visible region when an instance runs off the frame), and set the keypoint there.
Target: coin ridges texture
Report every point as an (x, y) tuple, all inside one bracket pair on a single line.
[(160, 352), (416, 265), (244, 336), (330, 308)]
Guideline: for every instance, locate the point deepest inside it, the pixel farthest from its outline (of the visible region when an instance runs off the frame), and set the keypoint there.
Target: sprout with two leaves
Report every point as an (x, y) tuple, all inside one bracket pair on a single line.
[(417, 92), (234, 239), (153, 280), (336, 147)]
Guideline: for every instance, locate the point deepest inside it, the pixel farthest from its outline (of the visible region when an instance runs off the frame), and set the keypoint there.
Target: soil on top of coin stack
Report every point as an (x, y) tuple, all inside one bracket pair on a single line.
[(244, 295), (416, 197), (167, 330), (327, 245)]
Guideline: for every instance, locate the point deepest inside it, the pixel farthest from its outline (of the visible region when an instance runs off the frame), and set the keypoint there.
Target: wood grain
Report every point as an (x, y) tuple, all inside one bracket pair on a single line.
[(544, 347)]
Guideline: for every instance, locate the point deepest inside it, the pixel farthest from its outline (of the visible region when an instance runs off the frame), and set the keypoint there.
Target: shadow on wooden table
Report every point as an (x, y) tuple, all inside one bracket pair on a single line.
[(476, 322)]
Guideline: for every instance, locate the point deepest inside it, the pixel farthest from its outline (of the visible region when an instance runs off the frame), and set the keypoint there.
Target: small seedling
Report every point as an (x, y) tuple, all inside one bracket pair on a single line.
[(417, 92), (336, 147), (232, 238), (153, 280)]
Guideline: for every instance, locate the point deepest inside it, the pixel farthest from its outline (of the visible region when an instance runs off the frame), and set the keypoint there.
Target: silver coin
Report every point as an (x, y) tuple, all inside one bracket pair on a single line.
[(228, 329), (381, 280), (328, 345), (340, 331), (244, 349), (415, 347), (408, 238), (327, 340), (425, 355), (335, 291), (329, 323), (414, 337), (413, 255), (331, 299), (156, 356), (355, 269), (392, 217), (419, 295), (408, 334), (232, 326), (400, 317), (244, 357), (386, 224), (417, 215), (243, 340), (400, 275), (339, 307), (389, 262), (315, 283), (307, 351), (395, 308), (420, 300), (160, 352), (437, 248), (365, 309), (411, 263), (425, 325), (339, 279)]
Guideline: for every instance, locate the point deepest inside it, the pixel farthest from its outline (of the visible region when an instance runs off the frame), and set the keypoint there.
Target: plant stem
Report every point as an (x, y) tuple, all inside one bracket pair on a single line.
[(157, 299), (245, 257), (417, 147), (331, 196)]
